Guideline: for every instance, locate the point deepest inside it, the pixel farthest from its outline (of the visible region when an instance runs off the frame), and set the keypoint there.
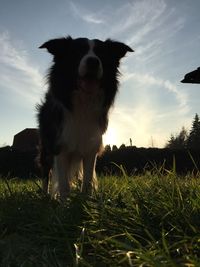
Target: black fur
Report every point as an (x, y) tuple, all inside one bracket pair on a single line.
[(62, 80)]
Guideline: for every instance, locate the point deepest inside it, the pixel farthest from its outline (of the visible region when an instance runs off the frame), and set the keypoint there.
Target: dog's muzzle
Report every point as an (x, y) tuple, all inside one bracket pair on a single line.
[(90, 68)]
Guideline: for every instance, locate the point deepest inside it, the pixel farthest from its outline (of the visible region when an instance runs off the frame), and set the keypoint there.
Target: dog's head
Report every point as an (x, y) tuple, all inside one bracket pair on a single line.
[(87, 61)]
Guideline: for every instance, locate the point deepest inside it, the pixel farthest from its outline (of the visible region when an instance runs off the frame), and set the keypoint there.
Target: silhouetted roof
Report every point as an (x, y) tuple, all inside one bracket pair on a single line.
[(26, 140), (28, 131), (192, 77)]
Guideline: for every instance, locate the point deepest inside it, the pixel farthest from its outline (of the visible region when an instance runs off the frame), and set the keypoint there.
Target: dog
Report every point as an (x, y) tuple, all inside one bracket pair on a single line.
[(82, 85)]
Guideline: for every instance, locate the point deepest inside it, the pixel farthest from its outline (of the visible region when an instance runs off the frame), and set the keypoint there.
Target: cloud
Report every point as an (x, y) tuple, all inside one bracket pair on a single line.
[(149, 114), (85, 15), (17, 74), (153, 106), (138, 17), (147, 25), (149, 80)]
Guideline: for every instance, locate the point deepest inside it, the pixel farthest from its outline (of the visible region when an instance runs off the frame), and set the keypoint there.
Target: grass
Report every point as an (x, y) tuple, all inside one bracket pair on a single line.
[(149, 220)]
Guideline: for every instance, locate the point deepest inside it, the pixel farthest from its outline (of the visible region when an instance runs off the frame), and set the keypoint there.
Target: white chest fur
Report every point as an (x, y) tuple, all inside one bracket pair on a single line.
[(81, 131)]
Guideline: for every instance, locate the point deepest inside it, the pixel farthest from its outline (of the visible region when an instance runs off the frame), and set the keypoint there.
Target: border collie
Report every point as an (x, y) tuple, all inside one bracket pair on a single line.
[(82, 84)]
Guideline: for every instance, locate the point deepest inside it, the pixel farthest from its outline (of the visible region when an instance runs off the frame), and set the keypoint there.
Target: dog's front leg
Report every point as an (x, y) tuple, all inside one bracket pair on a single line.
[(89, 175), (61, 176)]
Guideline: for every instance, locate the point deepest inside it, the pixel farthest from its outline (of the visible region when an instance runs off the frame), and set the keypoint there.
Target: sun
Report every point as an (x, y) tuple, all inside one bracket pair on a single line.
[(110, 137)]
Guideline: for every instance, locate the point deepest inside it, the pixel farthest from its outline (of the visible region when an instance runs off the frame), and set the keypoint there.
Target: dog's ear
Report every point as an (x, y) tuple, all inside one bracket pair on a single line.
[(55, 46), (118, 49)]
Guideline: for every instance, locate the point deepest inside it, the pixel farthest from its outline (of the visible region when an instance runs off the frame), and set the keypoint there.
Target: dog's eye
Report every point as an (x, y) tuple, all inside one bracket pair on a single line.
[(100, 51), (79, 50)]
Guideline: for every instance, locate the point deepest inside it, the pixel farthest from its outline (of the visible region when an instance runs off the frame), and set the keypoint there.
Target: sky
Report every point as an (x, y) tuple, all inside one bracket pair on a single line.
[(151, 104)]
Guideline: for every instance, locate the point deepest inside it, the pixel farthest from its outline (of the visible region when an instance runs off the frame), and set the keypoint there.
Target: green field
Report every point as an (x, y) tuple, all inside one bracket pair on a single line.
[(149, 220)]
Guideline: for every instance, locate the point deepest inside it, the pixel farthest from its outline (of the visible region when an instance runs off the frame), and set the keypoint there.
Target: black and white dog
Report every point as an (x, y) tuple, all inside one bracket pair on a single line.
[(83, 82)]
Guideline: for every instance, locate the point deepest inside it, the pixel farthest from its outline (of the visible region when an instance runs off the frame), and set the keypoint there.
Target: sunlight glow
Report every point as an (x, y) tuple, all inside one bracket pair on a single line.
[(110, 137)]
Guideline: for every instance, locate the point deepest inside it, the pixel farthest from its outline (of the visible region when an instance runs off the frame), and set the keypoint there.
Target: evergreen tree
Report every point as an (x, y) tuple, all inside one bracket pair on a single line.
[(123, 146), (107, 148), (194, 136), (182, 138), (179, 141), (171, 143), (114, 148)]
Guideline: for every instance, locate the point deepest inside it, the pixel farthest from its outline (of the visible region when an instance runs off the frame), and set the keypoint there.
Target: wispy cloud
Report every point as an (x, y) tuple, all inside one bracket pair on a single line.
[(149, 80), (147, 25), (138, 18), (17, 74), (85, 15), (156, 105), (146, 116)]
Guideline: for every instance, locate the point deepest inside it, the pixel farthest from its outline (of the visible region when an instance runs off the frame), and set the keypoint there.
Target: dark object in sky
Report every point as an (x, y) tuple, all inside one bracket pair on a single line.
[(192, 77)]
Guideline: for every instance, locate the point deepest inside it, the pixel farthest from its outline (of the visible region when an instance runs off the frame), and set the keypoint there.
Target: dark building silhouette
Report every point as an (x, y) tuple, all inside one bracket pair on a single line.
[(192, 77), (26, 140)]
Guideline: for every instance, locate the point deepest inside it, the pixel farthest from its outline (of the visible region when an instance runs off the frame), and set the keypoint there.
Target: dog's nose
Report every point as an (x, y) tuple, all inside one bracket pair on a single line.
[(91, 67), (93, 63)]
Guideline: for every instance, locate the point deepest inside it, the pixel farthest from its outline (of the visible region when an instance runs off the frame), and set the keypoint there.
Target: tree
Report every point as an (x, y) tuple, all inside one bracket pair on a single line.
[(171, 143), (107, 148), (114, 148), (123, 146), (178, 141), (194, 136)]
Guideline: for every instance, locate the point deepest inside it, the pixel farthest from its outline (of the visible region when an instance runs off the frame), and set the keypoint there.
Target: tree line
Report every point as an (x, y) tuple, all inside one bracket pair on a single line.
[(132, 159), (183, 148), (186, 140)]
